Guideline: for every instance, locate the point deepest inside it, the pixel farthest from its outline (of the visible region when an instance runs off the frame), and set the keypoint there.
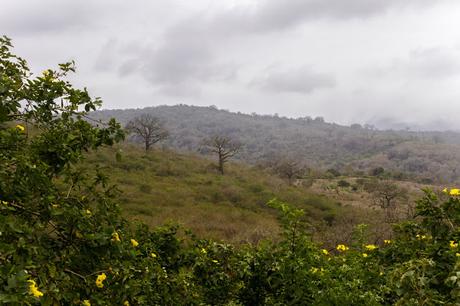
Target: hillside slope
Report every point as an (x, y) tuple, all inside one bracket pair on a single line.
[(425, 156), (163, 186)]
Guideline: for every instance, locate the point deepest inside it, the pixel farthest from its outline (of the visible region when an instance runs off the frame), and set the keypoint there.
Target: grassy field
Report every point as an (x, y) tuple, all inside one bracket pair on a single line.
[(162, 186), (349, 196)]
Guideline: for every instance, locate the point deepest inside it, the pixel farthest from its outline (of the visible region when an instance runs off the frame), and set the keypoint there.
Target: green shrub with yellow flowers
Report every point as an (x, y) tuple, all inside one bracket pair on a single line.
[(63, 240)]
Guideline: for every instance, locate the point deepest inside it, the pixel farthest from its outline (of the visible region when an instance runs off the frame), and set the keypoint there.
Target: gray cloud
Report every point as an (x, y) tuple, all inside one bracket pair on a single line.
[(432, 63), (422, 63), (141, 53), (301, 80), (283, 14), (48, 16), (107, 56), (183, 59), (188, 53), (275, 15)]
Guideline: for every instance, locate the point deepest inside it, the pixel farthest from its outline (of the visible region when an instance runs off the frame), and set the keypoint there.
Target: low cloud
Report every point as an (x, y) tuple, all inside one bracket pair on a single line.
[(45, 16), (423, 63), (275, 15), (302, 81), (182, 60)]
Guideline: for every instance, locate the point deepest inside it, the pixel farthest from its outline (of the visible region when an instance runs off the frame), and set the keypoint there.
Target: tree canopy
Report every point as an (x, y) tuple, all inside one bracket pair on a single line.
[(148, 128), (224, 147)]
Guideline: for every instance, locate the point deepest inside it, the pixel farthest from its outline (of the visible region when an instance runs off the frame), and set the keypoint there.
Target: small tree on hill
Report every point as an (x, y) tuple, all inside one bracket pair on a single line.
[(224, 147), (386, 195), (289, 169), (148, 128)]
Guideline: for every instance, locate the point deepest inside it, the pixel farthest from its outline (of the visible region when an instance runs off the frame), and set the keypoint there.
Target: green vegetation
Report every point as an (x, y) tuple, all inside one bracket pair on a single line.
[(63, 240), (164, 185), (424, 156)]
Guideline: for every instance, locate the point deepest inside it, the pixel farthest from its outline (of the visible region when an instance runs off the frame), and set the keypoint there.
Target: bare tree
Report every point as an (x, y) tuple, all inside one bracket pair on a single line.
[(224, 147), (148, 128), (386, 195), (289, 169)]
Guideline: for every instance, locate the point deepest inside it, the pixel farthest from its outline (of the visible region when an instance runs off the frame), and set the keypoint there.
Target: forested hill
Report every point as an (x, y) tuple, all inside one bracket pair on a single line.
[(427, 156)]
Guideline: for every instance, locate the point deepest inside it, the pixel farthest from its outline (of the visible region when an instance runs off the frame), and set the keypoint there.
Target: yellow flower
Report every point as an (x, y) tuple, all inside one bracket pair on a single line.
[(342, 248), (100, 278), (387, 241), (445, 190), (457, 254), (214, 261), (88, 212), (325, 252), (381, 273), (455, 192), (421, 237), (115, 237), (134, 243), (370, 247), (153, 255), (33, 289), (4, 202), (86, 303), (126, 303), (314, 270), (203, 250), (453, 244), (20, 127), (365, 255)]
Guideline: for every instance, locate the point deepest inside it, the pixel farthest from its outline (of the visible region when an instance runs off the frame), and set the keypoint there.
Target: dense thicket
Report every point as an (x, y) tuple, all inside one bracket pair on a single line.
[(63, 242)]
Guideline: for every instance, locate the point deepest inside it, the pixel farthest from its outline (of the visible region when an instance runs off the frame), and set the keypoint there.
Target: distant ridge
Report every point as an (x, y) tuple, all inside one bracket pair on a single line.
[(426, 156)]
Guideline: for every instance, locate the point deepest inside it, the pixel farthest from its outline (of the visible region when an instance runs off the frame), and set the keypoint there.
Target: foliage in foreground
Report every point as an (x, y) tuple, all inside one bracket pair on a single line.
[(63, 241)]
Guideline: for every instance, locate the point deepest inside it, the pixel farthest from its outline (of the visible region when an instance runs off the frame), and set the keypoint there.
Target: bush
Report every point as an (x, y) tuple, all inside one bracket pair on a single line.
[(145, 188), (333, 172), (378, 171), (343, 184)]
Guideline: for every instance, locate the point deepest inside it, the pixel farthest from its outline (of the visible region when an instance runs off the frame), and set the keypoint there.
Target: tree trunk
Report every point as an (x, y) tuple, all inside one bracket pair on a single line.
[(221, 165)]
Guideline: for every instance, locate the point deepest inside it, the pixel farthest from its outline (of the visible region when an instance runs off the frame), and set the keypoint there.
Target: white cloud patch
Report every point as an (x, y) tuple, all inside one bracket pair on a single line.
[(298, 80), (436, 63)]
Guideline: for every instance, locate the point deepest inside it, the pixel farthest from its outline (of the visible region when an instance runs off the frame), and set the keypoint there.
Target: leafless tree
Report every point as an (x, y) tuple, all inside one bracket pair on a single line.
[(387, 195), (289, 169), (224, 147), (148, 128)]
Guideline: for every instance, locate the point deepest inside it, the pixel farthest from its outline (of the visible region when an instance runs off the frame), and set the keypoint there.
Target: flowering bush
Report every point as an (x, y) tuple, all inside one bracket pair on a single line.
[(63, 241)]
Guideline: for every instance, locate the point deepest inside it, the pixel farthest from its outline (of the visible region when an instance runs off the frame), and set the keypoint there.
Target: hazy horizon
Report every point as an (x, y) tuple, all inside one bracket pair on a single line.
[(392, 64), (383, 124)]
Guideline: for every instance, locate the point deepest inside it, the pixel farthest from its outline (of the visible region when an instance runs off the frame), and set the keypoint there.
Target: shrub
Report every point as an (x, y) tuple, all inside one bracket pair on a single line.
[(343, 184), (145, 188)]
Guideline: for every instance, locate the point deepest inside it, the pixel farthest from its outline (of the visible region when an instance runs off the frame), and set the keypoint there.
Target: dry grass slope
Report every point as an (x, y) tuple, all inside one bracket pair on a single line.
[(164, 186)]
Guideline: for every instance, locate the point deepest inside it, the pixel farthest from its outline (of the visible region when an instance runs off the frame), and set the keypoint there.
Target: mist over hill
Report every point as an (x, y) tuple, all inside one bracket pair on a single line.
[(389, 123), (425, 156)]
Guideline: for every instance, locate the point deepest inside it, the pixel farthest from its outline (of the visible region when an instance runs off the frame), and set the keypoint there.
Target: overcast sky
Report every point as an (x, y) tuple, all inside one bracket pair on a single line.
[(365, 61)]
